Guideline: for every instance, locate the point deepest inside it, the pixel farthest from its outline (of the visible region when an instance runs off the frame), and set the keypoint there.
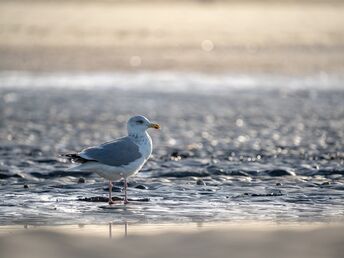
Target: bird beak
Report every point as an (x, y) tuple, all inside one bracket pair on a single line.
[(155, 126)]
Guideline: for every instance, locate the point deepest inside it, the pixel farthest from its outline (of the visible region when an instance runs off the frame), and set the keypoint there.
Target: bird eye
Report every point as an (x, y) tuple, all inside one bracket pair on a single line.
[(139, 122)]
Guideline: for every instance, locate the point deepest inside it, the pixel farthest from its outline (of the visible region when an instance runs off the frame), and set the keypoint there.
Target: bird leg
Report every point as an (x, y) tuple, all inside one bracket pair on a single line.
[(125, 191), (110, 191)]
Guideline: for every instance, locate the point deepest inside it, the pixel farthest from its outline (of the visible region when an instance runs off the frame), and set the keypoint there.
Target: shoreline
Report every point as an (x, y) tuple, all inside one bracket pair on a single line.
[(168, 81), (142, 229)]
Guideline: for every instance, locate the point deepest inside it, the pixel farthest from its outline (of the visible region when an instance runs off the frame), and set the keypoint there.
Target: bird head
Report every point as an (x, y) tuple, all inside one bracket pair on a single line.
[(139, 124)]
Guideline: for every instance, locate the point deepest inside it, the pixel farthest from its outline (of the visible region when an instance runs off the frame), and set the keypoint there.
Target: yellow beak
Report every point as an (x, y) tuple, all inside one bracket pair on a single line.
[(155, 126)]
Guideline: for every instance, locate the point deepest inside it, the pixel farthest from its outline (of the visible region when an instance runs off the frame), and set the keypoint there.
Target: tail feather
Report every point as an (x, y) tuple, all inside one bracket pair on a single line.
[(74, 157)]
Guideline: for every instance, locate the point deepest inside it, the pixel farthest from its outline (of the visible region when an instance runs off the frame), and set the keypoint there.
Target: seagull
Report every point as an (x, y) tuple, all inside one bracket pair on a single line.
[(120, 158)]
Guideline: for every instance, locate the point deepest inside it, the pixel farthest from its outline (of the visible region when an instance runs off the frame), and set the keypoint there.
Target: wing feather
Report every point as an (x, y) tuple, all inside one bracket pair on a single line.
[(119, 152)]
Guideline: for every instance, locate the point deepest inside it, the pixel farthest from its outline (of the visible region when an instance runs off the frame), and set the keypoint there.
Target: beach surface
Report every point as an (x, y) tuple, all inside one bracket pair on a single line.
[(227, 241), (230, 148)]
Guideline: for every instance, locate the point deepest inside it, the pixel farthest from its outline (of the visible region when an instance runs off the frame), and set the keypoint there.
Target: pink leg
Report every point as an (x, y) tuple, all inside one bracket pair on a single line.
[(125, 191), (110, 191)]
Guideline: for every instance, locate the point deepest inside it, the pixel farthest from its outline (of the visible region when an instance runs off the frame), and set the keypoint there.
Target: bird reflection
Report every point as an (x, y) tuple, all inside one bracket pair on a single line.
[(125, 229)]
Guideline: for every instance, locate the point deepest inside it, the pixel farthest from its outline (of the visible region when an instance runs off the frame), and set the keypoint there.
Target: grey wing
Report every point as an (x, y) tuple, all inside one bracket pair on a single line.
[(115, 153)]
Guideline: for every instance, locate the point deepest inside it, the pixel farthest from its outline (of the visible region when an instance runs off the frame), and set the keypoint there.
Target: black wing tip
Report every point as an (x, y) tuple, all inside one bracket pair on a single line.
[(74, 157)]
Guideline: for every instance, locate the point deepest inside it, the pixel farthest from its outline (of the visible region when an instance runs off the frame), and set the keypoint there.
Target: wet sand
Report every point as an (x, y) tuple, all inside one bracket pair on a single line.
[(259, 241), (229, 155), (251, 36)]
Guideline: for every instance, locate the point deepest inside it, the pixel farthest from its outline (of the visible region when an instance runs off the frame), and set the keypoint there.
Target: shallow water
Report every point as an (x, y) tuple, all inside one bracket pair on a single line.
[(227, 153)]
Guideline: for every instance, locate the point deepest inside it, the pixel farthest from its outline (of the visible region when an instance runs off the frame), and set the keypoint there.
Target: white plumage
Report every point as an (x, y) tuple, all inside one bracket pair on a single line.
[(121, 158)]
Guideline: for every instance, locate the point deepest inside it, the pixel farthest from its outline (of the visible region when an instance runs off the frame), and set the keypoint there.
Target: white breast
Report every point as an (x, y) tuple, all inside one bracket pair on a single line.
[(145, 146)]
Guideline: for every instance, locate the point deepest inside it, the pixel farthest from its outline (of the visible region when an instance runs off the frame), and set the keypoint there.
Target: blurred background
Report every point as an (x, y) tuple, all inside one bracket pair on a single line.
[(284, 36)]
